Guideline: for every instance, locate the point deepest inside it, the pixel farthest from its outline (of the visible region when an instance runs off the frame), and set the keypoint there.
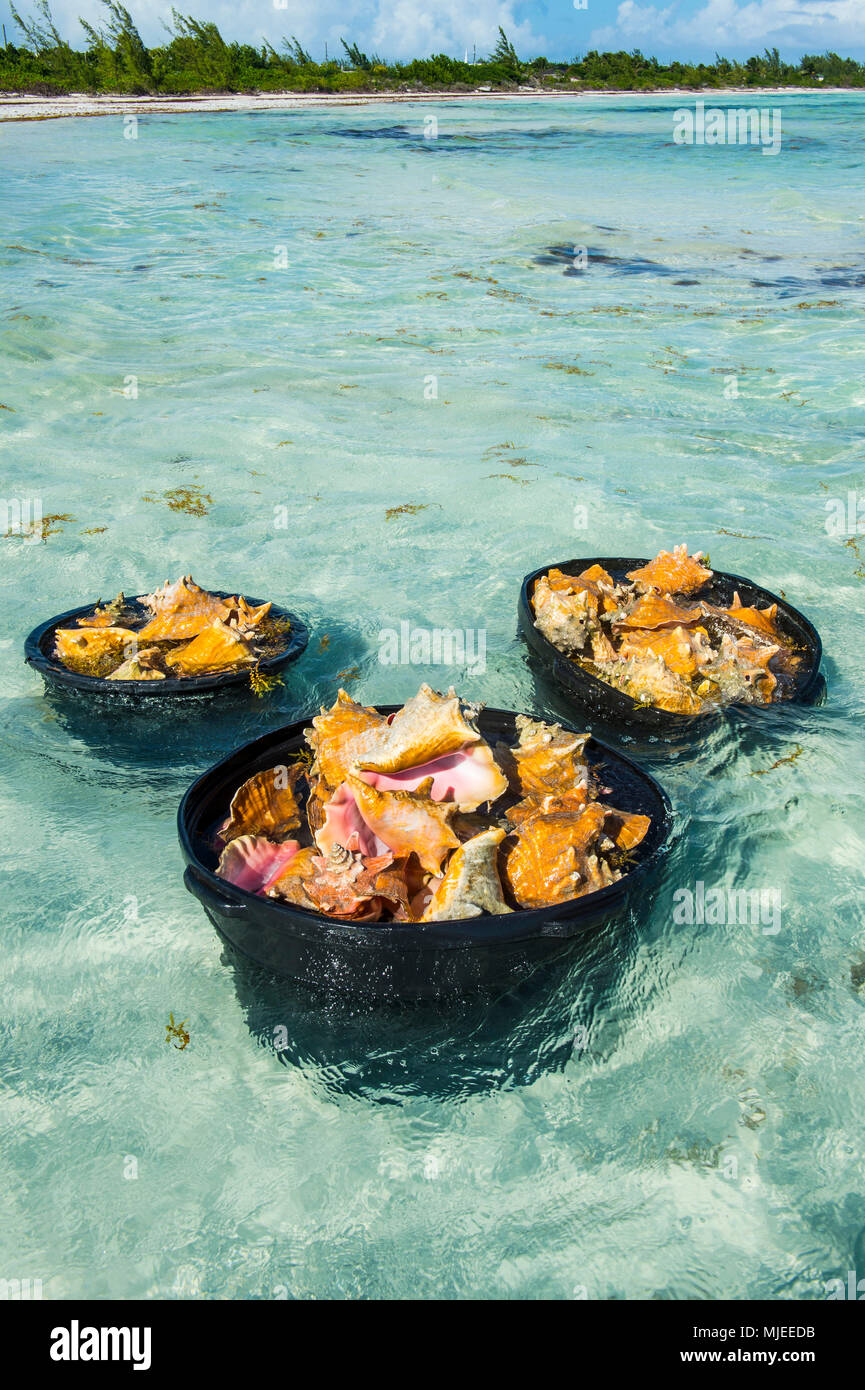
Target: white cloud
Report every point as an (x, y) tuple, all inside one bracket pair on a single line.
[(406, 28), (394, 28), (729, 25)]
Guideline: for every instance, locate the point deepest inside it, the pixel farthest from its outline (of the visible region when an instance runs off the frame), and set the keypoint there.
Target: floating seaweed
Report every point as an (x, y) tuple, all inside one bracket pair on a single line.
[(262, 684), (407, 509), (779, 762), (191, 500), (178, 1032)]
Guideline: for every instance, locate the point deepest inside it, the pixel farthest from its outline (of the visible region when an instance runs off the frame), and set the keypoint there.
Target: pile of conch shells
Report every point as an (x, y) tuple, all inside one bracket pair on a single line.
[(654, 638), (179, 630), (415, 818)]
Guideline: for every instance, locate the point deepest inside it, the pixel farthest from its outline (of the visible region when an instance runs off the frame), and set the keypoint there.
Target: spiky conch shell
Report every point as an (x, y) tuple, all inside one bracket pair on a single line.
[(135, 670), (672, 572), (266, 804), (471, 884), (93, 641), (334, 738), (108, 615), (546, 760), (429, 726), (408, 822), (217, 648), (183, 593), (546, 859)]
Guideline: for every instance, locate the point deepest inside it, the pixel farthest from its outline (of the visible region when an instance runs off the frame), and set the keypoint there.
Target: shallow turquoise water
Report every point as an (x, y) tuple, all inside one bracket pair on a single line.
[(679, 1112)]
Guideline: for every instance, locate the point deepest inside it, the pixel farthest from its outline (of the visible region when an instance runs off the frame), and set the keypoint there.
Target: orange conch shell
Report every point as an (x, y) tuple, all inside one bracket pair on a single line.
[(144, 666), (183, 593), (289, 884), (763, 619), (626, 829), (181, 611), (471, 885), (648, 680), (72, 642), (335, 735), (217, 648), (429, 726), (682, 650), (548, 860), (181, 626), (408, 821), (655, 610), (345, 884), (266, 804), (594, 581), (108, 615), (547, 759), (672, 573)]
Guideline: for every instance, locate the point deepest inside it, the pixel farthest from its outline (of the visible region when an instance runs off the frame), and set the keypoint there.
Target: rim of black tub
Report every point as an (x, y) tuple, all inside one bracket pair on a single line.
[(305, 944), (39, 646), (614, 706)]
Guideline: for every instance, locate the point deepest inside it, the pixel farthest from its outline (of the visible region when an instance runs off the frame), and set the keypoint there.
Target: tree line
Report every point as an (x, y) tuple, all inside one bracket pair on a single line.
[(196, 58)]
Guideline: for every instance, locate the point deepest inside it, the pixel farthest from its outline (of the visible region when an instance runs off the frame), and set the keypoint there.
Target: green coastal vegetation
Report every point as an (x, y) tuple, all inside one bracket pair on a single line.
[(196, 59)]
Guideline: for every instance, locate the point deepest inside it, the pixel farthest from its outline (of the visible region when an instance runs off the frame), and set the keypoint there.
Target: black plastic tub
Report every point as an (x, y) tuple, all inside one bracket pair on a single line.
[(39, 646), (396, 961), (618, 710)]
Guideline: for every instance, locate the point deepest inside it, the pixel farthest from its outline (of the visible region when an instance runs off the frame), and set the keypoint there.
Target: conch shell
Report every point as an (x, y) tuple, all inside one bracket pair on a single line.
[(564, 615), (471, 884), (266, 804), (672, 573), (217, 648), (346, 885), (741, 670), (468, 777), (335, 736), (89, 642), (655, 610), (141, 667), (429, 726), (626, 829), (184, 593), (181, 611), (546, 760), (548, 861), (650, 681), (107, 615), (181, 626), (408, 821), (254, 863), (763, 619), (682, 650), (594, 581)]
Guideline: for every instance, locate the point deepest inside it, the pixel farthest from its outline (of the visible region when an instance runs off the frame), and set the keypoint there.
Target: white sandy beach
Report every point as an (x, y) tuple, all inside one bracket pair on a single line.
[(14, 107)]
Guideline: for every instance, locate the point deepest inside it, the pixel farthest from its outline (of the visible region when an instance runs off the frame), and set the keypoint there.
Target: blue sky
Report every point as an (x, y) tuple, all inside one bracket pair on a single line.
[(556, 28)]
